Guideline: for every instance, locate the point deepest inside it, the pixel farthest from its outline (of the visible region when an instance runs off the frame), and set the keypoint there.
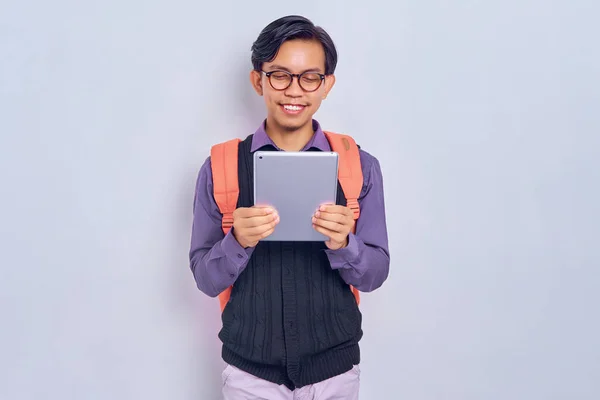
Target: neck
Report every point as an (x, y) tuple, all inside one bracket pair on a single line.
[(290, 140)]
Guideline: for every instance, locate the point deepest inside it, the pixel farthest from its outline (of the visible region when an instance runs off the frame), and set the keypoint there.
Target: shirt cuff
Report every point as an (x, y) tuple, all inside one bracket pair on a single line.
[(235, 253), (345, 255)]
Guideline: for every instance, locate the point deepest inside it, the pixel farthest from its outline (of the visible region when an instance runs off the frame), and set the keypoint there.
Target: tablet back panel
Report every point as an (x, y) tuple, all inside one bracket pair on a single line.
[(295, 184)]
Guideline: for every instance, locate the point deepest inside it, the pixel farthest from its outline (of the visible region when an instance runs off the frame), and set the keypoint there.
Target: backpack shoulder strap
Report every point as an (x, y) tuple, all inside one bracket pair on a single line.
[(349, 169), (350, 176), (224, 166)]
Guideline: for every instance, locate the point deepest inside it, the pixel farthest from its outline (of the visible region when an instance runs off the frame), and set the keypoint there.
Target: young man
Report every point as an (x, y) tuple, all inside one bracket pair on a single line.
[(291, 326)]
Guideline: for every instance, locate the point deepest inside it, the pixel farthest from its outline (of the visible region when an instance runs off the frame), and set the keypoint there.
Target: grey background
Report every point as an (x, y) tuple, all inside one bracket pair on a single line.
[(483, 114)]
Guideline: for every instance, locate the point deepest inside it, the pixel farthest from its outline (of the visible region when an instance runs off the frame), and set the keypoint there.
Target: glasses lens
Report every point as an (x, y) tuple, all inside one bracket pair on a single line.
[(280, 80), (310, 82)]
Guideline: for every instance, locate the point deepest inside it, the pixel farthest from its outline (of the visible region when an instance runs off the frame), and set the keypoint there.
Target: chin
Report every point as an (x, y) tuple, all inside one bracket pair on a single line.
[(291, 126)]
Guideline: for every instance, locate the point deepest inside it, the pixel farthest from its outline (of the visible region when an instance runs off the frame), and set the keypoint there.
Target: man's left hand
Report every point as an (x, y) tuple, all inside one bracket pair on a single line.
[(335, 222)]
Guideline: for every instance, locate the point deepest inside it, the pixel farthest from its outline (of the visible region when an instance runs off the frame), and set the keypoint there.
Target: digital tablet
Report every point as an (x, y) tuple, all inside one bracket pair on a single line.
[(295, 184)]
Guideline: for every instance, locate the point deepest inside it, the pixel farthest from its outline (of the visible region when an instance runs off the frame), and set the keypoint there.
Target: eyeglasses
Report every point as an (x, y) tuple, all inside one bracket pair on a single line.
[(308, 81)]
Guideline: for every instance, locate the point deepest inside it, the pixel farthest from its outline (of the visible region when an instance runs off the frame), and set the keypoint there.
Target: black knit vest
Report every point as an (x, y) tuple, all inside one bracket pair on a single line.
[(290, 319)]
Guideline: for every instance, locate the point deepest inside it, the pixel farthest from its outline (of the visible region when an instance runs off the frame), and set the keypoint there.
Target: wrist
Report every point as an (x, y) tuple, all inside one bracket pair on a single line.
[(340, 245), (237, 239), (241, 242)]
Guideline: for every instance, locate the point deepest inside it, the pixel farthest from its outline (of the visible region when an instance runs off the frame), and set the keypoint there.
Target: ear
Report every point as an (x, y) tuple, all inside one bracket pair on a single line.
[(329, 82), (256, 81)]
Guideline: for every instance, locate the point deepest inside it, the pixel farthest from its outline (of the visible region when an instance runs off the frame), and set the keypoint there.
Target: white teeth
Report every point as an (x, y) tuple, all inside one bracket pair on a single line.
[(293, 108)]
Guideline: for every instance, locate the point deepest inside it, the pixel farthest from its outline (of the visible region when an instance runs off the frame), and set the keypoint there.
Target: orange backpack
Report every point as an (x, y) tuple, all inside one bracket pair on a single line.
[(224, 165)]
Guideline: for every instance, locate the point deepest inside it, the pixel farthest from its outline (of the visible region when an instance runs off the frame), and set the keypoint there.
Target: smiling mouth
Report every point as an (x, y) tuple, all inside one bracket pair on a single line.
[(293, 108)]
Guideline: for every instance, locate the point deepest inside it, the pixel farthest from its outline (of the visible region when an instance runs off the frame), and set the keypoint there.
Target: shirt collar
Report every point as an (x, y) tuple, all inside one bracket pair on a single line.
[(318, 139)]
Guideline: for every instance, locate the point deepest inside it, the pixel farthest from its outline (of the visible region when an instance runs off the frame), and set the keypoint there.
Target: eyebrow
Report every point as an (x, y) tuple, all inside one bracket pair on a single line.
[(277, 66)]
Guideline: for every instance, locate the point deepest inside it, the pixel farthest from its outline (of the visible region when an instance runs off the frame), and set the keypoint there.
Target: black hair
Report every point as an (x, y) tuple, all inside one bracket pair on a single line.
[(266, 46)]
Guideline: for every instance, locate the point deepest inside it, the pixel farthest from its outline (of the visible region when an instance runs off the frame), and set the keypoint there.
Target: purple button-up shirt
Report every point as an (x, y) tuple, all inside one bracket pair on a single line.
[(216, 260)]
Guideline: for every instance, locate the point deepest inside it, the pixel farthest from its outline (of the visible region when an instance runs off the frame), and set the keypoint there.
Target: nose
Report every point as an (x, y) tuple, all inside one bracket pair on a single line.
[(294, 90)]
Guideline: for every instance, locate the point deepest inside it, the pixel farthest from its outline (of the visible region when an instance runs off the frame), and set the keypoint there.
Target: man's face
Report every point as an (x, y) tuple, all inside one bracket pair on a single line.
[(293, 108)]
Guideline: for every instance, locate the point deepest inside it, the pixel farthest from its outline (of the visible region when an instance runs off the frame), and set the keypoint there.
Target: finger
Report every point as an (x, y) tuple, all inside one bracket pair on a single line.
[(258, 231), (333, 236), (336, 209), (256, 211), (334, 217), (257, 221), (263, 233), (329, 225), (267, 233)]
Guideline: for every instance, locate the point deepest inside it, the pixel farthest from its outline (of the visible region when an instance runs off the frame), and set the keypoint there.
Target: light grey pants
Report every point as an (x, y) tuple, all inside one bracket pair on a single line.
[(240, 385)]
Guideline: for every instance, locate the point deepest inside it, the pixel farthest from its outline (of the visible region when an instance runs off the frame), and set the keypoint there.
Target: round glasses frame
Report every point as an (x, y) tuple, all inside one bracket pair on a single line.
[(291, 79)]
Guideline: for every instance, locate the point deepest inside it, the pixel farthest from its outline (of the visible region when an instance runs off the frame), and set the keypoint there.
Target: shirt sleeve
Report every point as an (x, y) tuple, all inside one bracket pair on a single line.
[(216, 259), (364, 262)]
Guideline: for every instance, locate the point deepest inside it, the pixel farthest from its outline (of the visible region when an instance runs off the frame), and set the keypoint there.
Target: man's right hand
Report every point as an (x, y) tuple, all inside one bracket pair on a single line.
[(253, 224)]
